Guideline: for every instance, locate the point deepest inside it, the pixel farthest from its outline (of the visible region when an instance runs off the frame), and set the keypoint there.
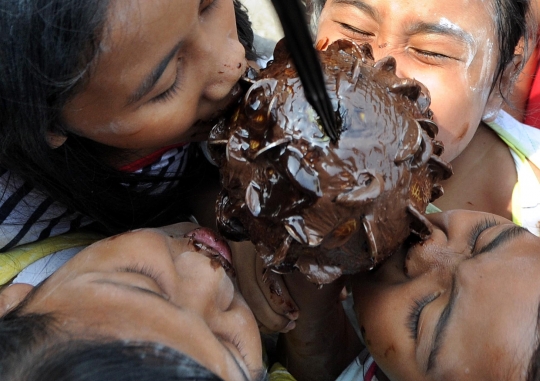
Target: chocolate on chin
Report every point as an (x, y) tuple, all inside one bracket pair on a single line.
[(329, 208)]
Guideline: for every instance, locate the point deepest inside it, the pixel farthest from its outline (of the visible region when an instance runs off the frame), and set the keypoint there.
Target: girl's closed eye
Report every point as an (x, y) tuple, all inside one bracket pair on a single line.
[(355, 33), (148, 272), (143, 270), (477, 230), (415, 311), (175, 87), (429, 57)]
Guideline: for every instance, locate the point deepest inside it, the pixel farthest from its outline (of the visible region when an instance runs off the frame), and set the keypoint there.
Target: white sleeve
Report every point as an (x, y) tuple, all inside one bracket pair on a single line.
[(44, 267), (361, 369)]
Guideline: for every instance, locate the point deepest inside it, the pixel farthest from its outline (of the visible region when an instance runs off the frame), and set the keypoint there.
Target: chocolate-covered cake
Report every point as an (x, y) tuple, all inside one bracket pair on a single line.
[(329, 208)]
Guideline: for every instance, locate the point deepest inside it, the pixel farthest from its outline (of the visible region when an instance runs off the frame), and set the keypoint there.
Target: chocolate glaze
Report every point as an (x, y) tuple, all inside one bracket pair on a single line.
[(328, 208)]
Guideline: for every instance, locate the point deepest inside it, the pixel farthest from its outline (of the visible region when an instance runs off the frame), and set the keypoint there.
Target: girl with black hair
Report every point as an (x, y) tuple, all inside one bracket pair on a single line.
[(102, 103)]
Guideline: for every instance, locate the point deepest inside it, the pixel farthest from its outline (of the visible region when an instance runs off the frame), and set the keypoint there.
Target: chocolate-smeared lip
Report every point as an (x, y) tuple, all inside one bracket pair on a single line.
[(207, 240)]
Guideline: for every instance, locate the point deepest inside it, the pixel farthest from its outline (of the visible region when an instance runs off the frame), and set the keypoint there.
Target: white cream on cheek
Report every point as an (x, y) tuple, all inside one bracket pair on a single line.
[(487, 36)]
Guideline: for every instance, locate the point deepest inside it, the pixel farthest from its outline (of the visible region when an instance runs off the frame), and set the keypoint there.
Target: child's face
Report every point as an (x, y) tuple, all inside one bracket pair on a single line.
[(164, 68), (462, 305), (150, 285), (449, 46)]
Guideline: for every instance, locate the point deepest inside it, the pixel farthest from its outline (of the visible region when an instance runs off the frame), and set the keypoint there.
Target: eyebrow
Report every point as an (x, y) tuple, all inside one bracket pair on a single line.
[(153, 77), (443, 29), (417, 28), (440, 329), (371, 11)]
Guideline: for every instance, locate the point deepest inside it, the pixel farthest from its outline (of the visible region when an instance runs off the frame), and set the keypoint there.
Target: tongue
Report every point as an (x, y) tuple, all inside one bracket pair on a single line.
[(210, 239)]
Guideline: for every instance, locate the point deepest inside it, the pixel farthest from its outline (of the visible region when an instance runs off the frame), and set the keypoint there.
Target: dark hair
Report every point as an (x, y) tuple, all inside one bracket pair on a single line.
[(514, 20), (34, 349), (47, 48)]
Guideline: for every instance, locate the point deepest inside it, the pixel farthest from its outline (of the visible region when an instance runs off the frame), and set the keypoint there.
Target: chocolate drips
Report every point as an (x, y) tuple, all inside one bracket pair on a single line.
[(328, 208)]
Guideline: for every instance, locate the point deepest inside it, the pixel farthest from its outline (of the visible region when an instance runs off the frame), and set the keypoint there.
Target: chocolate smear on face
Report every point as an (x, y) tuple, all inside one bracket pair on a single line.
[(321, 207)]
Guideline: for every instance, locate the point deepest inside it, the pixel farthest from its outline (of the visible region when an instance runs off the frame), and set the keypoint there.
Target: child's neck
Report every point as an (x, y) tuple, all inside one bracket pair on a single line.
[(484, 177)]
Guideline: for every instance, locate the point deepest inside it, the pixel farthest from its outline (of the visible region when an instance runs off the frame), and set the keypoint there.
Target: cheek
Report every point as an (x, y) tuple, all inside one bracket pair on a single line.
[(327, 29), (451, 100), (377, 310)]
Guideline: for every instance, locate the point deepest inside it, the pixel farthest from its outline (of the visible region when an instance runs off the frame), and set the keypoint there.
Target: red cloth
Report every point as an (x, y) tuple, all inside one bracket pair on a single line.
[(150, 159), (532, 114)]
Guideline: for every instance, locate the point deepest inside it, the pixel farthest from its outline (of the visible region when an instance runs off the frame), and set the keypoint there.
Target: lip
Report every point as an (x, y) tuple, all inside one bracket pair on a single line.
[(209, 241)]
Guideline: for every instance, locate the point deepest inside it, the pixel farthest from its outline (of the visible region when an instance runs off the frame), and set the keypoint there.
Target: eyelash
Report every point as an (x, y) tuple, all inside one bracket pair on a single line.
[(143, 270), (416, 310), (429, 54), (356, 32), (171, 91), (478, 229)]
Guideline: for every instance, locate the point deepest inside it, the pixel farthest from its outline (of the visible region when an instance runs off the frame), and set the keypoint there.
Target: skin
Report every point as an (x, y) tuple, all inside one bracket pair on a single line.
[(197, 41), (183, 299), (490, 333)]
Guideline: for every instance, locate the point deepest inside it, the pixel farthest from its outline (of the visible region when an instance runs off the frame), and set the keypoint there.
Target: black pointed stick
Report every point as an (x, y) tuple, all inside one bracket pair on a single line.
[(306, 61)]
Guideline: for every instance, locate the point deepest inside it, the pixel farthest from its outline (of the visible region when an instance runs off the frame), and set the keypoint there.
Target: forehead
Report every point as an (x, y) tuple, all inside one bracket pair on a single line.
[(425, 9), (152, 27), (139, 24)]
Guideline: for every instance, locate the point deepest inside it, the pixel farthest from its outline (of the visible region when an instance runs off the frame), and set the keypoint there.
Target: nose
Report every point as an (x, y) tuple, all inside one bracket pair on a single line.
[(227, 63), (382, 49), (442, 252), (202, 285)]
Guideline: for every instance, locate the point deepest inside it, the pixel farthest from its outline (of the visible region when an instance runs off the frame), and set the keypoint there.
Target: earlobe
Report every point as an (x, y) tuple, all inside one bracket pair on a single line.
[(503, 89), (55, 139), (11, 296)]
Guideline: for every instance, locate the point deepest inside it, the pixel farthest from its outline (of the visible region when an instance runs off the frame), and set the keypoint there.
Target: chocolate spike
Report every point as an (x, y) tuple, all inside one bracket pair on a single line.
[(410, 143), (281, 253), (369, 227), (438, 148), (407, 87), (436, 192), (442, 167), (420, 224), (429, 126), (387, 64)]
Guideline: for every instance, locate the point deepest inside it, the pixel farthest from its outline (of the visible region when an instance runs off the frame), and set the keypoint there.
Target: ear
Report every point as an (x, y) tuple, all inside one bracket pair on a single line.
[(11, 296), (55, 139), (503, 88)]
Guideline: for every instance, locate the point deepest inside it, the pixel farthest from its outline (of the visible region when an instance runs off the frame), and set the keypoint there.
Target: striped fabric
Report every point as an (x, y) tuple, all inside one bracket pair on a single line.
[(27, 215)]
